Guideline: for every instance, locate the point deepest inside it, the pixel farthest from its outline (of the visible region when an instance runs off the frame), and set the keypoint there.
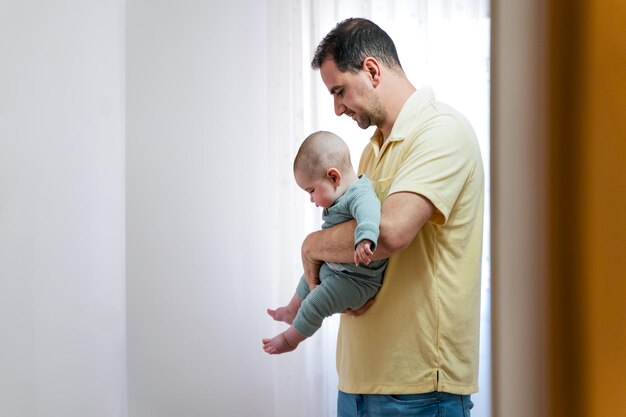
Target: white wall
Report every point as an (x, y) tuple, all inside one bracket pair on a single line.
[(197, 209), (62, 331)]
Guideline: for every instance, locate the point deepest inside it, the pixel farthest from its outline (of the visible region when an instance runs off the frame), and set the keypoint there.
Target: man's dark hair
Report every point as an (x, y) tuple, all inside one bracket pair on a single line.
[(351, 41)]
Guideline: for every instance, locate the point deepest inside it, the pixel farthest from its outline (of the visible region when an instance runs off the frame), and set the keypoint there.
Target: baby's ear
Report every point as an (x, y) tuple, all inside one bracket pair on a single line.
[(334, 176)]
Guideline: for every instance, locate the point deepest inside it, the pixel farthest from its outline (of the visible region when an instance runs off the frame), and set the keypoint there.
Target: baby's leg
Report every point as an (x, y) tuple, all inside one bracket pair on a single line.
[(287, 313), (312, 310), (335, 294)]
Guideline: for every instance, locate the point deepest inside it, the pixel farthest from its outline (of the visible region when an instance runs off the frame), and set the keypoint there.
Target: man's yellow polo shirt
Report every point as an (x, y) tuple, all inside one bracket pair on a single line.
[(421, 334)]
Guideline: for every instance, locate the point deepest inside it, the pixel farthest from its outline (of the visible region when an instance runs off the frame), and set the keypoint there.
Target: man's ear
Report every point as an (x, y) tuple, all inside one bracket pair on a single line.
[(334, 176), (372, 67)]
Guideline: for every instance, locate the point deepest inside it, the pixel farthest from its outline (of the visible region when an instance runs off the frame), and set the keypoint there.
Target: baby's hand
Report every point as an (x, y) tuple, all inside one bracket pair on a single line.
[(363, 252)]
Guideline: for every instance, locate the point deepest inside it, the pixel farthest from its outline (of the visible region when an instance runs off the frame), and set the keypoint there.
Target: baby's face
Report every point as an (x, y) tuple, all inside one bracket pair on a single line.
[(322, 190)]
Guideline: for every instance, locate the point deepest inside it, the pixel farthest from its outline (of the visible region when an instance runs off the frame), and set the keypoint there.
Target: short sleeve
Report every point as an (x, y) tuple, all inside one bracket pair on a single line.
[(436, 163)]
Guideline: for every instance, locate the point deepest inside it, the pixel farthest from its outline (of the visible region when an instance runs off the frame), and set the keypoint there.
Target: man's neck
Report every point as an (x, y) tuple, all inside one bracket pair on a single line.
[(395, 96)]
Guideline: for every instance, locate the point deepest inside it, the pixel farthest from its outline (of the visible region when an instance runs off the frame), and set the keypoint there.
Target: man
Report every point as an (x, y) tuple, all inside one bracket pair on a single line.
[(414, 350)]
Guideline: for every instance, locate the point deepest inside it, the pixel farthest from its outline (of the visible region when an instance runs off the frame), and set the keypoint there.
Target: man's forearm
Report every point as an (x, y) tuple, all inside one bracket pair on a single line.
[(335, 244), (403, 215)]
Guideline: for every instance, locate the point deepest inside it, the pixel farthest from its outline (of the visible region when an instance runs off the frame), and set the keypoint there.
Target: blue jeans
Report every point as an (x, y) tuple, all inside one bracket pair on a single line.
[(433, 404)]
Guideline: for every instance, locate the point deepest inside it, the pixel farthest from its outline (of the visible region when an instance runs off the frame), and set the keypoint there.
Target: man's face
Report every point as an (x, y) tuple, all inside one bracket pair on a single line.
[(353, 94)]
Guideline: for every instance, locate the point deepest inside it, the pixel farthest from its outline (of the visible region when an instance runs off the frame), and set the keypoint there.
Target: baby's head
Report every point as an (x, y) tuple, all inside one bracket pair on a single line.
[(322, 168)]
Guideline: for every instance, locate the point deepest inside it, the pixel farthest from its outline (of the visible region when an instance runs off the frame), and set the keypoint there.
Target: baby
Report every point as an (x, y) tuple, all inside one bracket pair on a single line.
[(322, 168)]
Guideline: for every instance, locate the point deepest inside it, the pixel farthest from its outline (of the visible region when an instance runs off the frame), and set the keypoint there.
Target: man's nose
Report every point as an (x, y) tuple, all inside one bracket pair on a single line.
[(339, 107)]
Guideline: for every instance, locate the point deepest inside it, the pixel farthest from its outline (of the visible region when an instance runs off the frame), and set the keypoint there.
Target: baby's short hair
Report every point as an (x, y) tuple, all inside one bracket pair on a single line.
[(321, 151)]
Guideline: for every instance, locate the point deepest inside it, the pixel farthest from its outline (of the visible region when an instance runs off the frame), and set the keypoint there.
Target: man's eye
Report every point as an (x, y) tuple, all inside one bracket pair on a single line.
[(340, 93)]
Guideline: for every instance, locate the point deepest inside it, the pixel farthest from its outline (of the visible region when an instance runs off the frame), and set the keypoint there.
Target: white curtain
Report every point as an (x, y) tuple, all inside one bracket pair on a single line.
[(442, 43)]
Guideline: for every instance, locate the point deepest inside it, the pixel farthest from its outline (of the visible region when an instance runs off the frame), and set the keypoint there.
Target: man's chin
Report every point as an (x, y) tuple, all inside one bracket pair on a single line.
[(363, 124)]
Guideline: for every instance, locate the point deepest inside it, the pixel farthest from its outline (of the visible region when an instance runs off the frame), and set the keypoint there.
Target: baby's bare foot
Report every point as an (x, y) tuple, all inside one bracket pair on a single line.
[(284, 342), (283, 314), (277, 345)]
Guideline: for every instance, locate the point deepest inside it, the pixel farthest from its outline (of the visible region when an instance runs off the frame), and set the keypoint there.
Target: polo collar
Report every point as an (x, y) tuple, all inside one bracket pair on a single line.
[(403, 125)]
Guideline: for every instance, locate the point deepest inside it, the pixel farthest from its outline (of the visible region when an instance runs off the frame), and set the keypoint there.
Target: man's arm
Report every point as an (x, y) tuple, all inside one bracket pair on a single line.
[(403, 215), (334, 244)]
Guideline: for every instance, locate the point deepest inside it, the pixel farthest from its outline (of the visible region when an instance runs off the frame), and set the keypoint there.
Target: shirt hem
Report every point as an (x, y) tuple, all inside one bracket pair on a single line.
[(450, 388)]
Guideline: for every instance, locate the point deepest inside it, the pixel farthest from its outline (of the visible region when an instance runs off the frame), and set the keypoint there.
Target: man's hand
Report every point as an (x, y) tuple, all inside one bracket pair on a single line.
[(362, 309), (363, 252), (311, 270), (334, 244)]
